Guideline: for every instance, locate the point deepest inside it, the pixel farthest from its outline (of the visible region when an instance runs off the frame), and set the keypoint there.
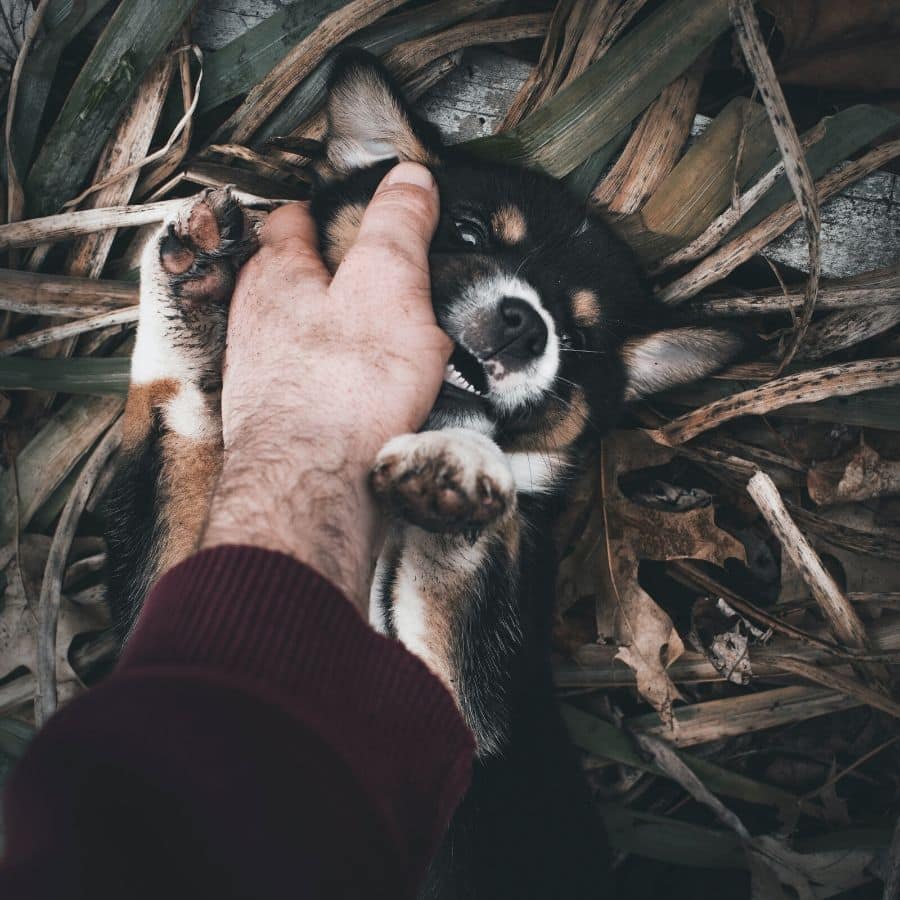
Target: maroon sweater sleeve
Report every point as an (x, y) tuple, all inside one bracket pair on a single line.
[(257, 739)]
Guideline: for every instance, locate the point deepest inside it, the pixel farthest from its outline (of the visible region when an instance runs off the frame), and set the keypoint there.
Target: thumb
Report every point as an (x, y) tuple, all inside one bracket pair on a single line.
[(391, 247)]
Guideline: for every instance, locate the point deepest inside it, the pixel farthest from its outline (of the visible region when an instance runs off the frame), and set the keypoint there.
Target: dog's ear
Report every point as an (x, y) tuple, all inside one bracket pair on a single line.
[(661, 360), (369, 120)]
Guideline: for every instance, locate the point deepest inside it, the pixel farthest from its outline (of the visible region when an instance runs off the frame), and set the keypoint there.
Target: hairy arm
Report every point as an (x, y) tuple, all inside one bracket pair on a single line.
[(320, 373)]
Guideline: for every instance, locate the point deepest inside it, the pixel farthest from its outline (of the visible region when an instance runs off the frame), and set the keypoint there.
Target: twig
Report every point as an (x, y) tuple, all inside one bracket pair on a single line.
[(806, 387), (846, 328), (746, 27), (839, 613), (51, 586), (69, 329)]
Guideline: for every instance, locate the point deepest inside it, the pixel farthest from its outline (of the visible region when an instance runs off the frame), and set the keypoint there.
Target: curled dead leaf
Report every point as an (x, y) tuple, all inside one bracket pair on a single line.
[(647, 639)]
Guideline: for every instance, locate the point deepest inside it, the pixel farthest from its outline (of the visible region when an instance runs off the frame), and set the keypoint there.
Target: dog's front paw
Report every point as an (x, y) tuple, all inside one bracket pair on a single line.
[(454, 480), (202, 245)]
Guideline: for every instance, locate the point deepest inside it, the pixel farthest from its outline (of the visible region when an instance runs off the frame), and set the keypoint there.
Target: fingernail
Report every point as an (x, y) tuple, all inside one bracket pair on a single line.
[(410, 173)]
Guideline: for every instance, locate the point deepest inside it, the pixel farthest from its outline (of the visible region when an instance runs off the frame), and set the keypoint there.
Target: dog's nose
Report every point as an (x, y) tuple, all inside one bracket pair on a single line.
[(523, 331)]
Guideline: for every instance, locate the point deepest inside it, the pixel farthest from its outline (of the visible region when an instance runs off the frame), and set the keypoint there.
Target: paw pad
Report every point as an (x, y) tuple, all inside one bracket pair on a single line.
[(204, 245), (444, 483)]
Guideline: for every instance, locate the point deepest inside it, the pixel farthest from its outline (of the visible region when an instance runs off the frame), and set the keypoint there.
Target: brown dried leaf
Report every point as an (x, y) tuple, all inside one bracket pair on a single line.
[(647, 639), (835, 44), (18, 615)]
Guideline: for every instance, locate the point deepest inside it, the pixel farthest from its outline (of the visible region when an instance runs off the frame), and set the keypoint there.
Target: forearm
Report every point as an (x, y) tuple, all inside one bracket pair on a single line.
[(286, 488)]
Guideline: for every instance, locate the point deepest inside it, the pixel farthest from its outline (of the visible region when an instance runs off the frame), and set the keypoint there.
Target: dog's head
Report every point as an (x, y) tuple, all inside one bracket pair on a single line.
[(554, 327)]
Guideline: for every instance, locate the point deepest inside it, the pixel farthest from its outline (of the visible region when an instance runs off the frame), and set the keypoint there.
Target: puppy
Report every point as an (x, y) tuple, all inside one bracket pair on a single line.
[(554, 333)]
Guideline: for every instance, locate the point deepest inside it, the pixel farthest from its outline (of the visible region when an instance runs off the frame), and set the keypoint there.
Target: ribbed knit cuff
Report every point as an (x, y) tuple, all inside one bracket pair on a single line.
[(280, 630), (263, 615)]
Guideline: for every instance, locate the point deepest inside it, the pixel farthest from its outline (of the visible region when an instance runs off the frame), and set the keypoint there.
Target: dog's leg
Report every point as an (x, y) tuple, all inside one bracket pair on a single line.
[(172, 441), (447, 580)]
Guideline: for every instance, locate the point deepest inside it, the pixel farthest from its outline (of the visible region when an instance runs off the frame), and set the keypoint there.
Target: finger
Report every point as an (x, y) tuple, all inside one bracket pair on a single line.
[(290, 231), (391, 248)]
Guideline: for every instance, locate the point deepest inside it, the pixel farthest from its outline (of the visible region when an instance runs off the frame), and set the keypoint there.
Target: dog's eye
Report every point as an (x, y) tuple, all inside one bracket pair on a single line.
[(470, 232)]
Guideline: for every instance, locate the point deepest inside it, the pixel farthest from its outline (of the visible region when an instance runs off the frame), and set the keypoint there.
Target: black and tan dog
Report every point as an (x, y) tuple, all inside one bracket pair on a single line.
[(554, 333)]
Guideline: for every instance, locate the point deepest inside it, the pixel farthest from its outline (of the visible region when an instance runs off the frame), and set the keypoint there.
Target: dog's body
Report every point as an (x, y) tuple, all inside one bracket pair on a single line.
[(554, 332)]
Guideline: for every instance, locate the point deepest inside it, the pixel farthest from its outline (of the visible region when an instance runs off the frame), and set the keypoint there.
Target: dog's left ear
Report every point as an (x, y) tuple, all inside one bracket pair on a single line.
[(664, 359), (369, 120)]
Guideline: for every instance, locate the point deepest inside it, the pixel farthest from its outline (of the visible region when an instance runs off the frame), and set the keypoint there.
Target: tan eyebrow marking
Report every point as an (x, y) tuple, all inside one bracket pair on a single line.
[(585, 307), (509, 225)]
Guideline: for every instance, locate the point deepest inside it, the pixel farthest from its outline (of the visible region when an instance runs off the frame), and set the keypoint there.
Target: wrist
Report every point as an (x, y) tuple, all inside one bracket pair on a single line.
[(302, 494)]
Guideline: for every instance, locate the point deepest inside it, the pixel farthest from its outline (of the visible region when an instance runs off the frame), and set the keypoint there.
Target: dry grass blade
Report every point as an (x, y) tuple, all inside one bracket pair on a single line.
[(116, 173), (589, 112), (720, 226), (407, 60), (671, 763), (135, 167), (603, 740), (50, 229), (132, 41), (51, 586), (15, 200), (249, 57), (807, 387), (171, 160), (852, 687), (702, 723), (654, 147), (837, 610), (523, 102), (46, 336), (746, 28), (266, 96), (30, 293), (580, 33), (81, 375), (51, 455), (879, 288), (728, 257), (847, 328)]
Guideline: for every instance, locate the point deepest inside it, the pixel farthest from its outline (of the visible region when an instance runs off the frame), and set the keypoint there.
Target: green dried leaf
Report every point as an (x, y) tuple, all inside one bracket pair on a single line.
[(132, 41), (87, 375), (608, 742), (236, 67), (590, 112), (63, 21)]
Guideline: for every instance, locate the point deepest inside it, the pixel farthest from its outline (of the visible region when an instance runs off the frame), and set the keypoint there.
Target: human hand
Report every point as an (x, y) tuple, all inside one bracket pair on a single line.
[(320, 372)]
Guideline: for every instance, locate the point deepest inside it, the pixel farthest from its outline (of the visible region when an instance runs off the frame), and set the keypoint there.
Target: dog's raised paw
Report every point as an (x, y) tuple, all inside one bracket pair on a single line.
[(202, 246), (453, 480)]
